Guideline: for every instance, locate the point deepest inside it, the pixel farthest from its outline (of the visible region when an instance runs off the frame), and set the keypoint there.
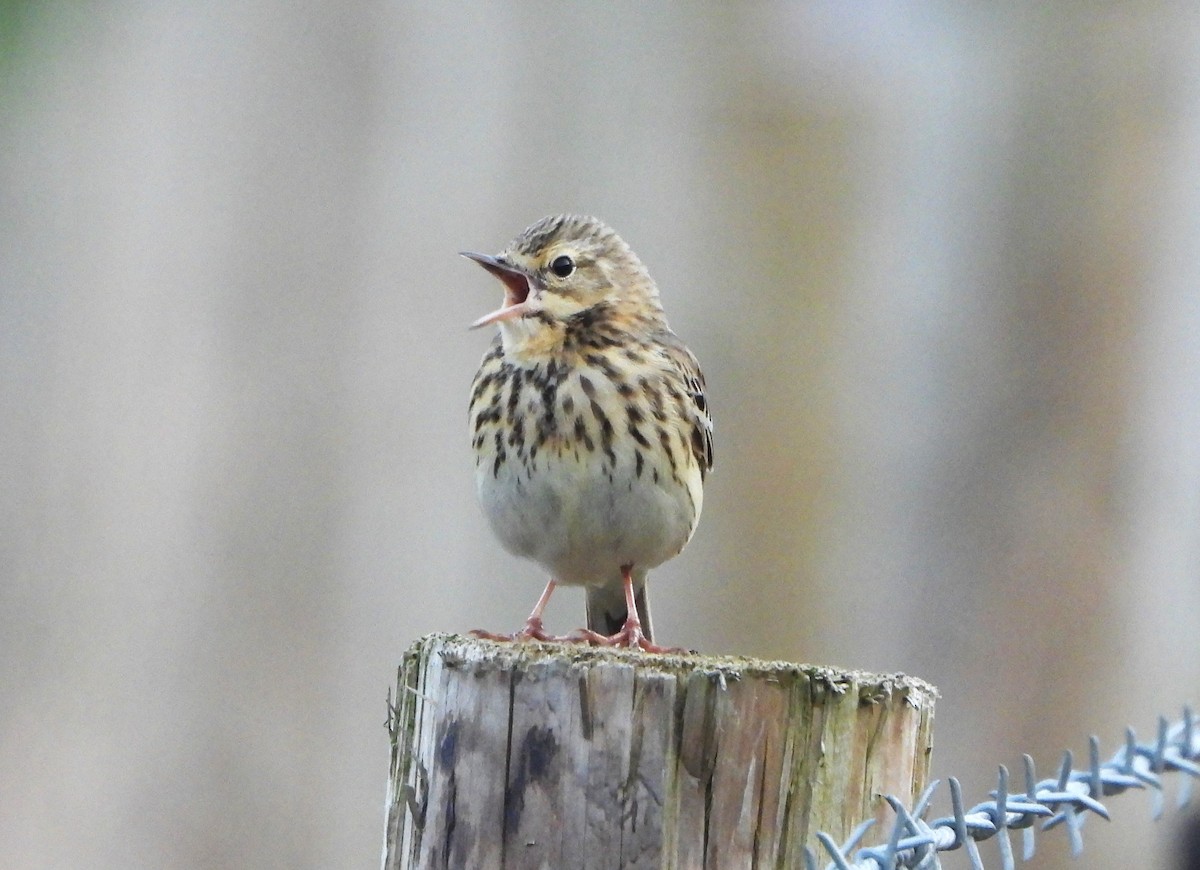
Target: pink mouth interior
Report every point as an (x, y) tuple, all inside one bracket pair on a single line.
[(516, 288)]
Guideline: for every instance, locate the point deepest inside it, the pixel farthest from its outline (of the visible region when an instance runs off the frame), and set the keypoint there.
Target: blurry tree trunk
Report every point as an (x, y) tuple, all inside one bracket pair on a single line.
[(531, 755)]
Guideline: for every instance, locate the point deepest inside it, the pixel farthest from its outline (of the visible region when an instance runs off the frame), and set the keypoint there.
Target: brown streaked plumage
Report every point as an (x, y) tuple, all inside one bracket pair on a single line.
[(589, 424)]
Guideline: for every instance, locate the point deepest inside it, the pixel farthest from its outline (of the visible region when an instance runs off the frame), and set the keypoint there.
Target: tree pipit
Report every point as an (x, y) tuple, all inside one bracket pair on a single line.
[(589, 424)]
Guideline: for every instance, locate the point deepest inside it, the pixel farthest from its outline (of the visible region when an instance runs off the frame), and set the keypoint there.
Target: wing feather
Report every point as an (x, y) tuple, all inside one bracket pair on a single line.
[(688, 368)]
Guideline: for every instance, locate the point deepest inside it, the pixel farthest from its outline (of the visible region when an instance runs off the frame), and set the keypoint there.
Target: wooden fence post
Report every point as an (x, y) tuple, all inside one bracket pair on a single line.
[(562, 756)]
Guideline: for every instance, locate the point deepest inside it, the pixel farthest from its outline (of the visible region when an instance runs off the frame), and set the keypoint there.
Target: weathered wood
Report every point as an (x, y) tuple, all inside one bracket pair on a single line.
[(563, 756)]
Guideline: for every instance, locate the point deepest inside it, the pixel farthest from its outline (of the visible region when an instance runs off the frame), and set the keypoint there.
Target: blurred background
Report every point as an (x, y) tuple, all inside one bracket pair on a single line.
[(939, 261)]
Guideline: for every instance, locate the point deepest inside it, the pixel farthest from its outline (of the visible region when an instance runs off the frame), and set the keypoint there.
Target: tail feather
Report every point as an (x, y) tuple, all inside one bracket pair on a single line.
[(606, 612)]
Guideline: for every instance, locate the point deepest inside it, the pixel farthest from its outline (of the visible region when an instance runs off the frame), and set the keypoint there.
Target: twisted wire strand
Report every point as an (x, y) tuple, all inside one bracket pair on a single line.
[(1064, 799)]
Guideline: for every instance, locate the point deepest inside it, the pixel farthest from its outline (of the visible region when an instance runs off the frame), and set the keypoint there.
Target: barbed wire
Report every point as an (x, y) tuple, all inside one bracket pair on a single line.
[(1065, 799)]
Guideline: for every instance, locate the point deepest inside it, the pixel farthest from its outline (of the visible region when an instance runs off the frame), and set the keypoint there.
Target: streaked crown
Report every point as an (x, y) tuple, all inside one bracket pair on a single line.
[(564, 265)]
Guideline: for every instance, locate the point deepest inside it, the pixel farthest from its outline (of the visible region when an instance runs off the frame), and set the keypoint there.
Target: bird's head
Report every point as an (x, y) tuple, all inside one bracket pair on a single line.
[(561, 267)]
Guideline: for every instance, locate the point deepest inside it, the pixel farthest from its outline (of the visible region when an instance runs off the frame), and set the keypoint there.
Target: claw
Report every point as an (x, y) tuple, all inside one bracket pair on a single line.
[(533, 630), (629, 637)]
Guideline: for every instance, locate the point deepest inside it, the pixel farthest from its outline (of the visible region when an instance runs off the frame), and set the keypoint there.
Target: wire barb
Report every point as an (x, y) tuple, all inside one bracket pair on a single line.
[(1066, 798)]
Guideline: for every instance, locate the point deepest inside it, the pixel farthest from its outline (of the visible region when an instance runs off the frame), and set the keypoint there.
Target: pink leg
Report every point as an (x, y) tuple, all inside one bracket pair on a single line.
[(533, 629), (630, 634)]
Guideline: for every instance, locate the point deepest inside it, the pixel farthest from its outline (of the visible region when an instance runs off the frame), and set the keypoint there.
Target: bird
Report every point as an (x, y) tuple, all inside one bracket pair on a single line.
[(589, 424)]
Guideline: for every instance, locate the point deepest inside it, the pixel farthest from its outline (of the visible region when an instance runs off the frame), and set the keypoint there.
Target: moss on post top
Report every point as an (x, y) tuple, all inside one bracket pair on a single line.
[(461, 650)]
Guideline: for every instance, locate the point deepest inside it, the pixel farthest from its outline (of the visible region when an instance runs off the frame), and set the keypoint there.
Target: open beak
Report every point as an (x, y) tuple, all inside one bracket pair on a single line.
[(516, 289)]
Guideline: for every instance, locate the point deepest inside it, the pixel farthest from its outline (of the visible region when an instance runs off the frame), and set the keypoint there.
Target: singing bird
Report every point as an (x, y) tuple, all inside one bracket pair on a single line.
[(589, 424)]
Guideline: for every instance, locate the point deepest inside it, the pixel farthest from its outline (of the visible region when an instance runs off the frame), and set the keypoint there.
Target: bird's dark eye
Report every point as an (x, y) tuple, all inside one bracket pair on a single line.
[(562, 266)]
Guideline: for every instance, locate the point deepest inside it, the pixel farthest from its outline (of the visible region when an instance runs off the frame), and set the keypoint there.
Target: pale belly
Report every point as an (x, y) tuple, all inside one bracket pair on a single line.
[(579, 525)]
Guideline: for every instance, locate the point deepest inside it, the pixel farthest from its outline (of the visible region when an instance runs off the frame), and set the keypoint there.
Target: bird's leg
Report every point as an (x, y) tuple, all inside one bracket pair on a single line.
[(533, 625), (630, 635), (533, 628)]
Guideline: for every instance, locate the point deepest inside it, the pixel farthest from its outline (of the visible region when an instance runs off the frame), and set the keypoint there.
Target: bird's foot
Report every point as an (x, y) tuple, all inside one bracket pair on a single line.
[(630, 636), (532, 630)]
